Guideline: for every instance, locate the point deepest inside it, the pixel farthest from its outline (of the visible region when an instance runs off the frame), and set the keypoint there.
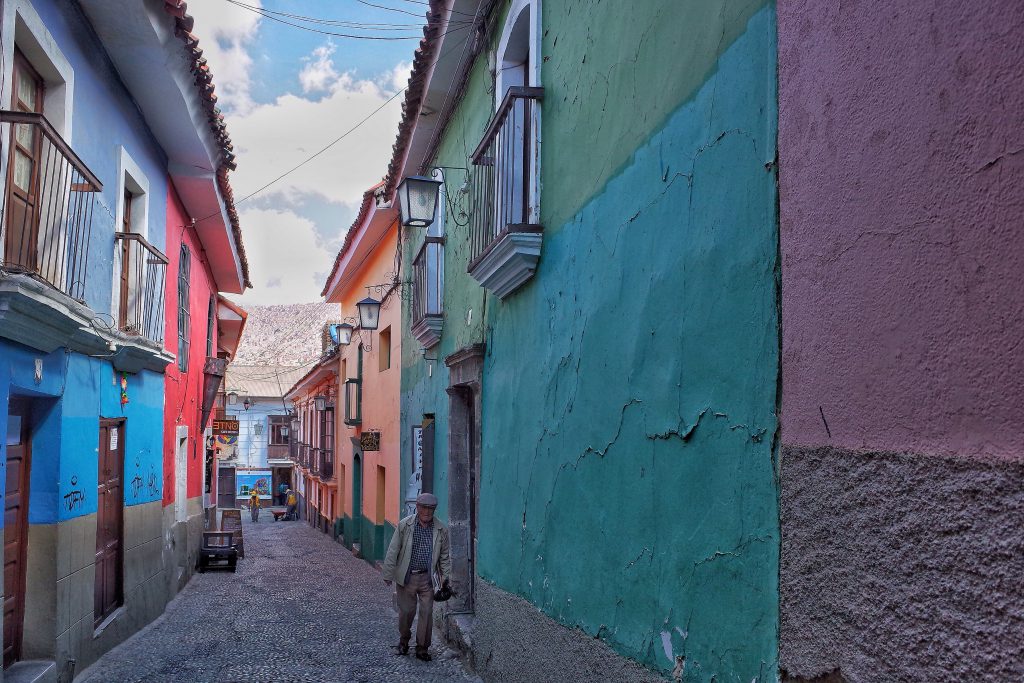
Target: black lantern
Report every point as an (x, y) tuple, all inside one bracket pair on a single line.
[(247, 403), (417, 197), (369, 313), (320, 403)]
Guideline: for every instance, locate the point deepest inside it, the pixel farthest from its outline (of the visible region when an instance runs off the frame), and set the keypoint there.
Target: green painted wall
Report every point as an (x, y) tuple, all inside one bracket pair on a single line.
[(628, 467), (373, 538)]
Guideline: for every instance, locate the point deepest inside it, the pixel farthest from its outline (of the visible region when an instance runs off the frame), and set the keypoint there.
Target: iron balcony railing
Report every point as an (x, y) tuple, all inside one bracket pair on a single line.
[(503, 170), (427, 274), (143, 276), (326, 466), (48, 205)]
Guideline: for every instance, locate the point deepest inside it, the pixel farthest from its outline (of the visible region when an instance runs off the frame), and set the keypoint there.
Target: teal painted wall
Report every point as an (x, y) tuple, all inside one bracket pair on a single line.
[(628, 482)]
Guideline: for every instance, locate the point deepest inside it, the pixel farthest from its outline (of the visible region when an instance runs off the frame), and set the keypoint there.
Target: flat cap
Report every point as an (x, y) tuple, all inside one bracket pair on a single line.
[(427, 500)]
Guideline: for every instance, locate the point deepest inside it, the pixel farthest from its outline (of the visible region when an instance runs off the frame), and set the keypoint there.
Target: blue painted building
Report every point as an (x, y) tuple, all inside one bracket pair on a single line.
[(100, 104)]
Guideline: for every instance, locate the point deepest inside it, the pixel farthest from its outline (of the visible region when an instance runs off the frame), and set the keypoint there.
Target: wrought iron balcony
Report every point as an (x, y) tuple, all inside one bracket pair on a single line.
[(143, 276), (504, 236), (48, 206), (314, 461), (326, 466), (428, 291)]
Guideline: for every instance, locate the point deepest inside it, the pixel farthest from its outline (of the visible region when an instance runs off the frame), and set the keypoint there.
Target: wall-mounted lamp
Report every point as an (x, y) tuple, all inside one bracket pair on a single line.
[(342, 333), (257, 428), (247, 403), (417, 197), (232, 398), (320, 403), (369, 313)]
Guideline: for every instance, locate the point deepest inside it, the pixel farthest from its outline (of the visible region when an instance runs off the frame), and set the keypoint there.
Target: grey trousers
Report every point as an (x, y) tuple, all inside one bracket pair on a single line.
[(417, 590)]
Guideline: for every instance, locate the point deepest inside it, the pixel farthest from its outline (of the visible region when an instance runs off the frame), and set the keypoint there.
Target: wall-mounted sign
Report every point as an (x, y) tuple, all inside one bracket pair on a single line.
[(225, 427), (369, 441)]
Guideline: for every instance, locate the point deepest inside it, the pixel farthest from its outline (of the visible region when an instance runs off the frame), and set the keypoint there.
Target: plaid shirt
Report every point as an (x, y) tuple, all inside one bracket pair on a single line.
[(422, 546)]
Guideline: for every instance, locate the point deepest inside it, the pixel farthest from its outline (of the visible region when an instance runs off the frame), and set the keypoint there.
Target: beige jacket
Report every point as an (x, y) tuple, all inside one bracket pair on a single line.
[(396, 562)]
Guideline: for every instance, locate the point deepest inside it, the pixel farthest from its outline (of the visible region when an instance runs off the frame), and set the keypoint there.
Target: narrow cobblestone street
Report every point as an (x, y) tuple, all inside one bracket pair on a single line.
[(300, 608)]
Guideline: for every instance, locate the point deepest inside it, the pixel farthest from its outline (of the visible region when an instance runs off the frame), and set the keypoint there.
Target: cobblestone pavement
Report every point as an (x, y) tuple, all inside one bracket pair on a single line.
[(300, 608)]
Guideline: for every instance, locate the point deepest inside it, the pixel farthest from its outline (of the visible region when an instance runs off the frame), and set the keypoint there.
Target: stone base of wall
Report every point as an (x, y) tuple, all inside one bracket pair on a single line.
[(510, 640), (60, 623), (373, 538), (901, 567), (181, 544)]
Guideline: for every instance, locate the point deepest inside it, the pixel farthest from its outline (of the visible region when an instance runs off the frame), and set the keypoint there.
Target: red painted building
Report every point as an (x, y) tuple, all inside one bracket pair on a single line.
[(202, 331)]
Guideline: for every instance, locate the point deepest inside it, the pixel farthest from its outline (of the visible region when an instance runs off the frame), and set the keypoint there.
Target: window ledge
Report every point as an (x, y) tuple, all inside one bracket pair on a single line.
[(510, 261), (427, 330)]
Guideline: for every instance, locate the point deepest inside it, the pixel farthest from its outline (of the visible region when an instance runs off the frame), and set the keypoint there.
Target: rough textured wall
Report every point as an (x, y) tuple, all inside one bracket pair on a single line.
[(900, 143), (901, 568), (628, 484), (902, 515)]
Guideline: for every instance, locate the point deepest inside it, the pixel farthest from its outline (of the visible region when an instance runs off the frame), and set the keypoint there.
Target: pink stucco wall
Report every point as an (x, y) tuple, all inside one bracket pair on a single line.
[(901, 145)]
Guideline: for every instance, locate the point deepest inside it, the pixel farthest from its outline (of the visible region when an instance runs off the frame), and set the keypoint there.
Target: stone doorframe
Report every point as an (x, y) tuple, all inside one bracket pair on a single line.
[(465, 375)]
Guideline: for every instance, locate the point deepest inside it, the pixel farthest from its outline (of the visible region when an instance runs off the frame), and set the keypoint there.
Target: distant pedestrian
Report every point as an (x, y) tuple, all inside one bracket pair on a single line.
[(282, 493), (254, 505), (418, 548), (293, 503)]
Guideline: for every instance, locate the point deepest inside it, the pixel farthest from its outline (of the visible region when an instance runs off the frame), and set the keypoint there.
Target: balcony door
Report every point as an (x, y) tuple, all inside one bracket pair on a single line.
[(21, 232)]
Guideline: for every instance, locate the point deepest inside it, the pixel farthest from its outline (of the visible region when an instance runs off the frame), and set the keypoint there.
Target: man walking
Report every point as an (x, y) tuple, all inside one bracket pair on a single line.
[(418, 548)]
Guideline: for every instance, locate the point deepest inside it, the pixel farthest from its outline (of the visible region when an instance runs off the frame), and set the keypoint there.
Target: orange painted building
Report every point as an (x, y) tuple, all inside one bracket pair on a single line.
[(367, 464), (313, 398)]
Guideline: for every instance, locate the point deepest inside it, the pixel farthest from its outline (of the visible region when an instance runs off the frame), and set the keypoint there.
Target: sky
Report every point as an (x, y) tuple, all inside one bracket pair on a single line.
[(288, 92)]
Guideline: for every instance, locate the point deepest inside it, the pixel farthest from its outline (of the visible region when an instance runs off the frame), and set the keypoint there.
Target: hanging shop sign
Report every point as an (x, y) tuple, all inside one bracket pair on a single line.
[(225, 427), (369, 441)]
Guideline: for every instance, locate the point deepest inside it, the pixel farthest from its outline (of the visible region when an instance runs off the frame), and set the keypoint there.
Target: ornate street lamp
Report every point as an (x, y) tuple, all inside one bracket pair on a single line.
[(247, 403), (320, 403), (417, 197), (369, 313), (343, 333)]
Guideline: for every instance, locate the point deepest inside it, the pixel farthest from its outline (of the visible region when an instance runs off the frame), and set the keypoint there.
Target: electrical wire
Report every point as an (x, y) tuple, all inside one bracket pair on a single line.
[(365, 25), (267, 15), (322, 150)]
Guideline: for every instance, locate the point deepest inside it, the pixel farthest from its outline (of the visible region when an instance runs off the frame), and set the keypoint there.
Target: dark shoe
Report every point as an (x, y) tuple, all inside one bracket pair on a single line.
[(423, 655), (401, 649)]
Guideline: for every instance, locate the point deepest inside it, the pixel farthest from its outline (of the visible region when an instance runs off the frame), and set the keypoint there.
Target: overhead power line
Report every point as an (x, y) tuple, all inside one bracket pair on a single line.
[(332, 143)]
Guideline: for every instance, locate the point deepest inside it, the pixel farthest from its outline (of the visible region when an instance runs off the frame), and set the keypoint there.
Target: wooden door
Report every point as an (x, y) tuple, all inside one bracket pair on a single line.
[(21, 238), (16, 526), (109, 589), (226, 487)]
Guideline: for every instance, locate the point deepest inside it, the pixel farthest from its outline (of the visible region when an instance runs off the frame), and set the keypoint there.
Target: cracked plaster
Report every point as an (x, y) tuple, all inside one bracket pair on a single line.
[(609, 497)]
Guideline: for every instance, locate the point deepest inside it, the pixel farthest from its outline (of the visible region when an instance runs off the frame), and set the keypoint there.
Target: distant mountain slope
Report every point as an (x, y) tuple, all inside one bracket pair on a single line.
[(284, 335)]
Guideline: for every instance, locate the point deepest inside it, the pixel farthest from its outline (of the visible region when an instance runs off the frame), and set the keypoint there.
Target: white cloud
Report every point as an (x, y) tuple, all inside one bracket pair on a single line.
[(225, 31), (287, 262), (318, 74), (398, 77), (273, 138)]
